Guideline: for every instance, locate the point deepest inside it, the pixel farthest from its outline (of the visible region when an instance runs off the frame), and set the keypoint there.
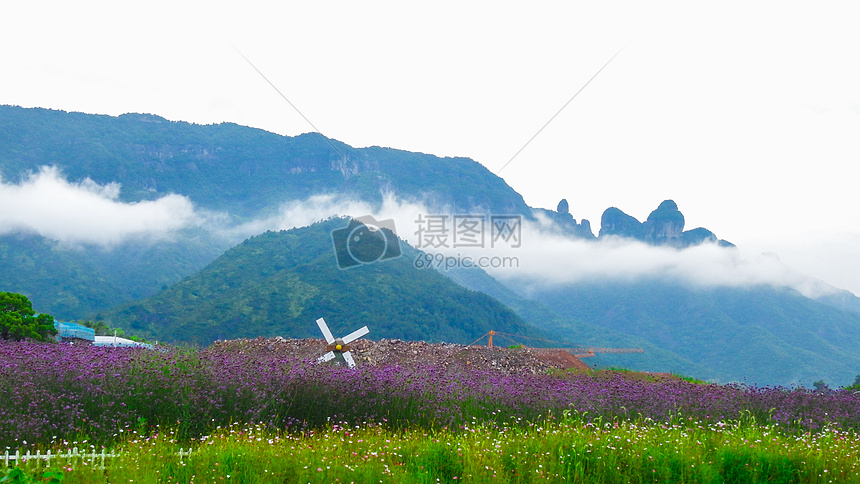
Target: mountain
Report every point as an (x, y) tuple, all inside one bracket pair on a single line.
[(759, 334), (664, 226), (241, 174), (75, 281), (244, 172), (59, 281), (279, 283), (569, 329), (563, 219)]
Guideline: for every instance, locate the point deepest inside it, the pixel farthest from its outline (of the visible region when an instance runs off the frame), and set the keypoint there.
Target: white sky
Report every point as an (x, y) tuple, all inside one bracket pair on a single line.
[(747, 115)]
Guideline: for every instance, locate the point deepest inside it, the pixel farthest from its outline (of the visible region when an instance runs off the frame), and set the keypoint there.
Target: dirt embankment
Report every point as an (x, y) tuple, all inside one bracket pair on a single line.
[(406, 353)]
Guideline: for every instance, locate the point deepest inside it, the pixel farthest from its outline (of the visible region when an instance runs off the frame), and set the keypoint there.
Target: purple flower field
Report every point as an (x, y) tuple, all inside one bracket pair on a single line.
[(53, 392)]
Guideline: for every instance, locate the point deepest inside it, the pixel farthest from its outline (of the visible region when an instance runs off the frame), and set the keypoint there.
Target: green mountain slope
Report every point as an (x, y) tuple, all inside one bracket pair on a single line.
[(73, 282), (279, 283), (62, 282), (239, 170), (571, 330), (760, 334)]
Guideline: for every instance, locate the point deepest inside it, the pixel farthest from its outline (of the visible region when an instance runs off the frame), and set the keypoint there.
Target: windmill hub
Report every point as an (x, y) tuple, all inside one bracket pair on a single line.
[(338, 345)]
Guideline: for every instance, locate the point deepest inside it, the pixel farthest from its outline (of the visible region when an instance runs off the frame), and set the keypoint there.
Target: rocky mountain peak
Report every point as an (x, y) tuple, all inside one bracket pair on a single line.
[(564, 219), (563, 207), (664, 226), (615, 222)]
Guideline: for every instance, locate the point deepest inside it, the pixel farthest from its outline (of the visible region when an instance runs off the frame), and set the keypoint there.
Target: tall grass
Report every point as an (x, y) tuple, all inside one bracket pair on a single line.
[(568, 449), (253, 416)]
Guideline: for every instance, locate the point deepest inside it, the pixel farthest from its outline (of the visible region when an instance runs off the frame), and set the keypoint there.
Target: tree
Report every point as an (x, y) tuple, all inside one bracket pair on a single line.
[(855, 387), (18, 321), (102, 329)]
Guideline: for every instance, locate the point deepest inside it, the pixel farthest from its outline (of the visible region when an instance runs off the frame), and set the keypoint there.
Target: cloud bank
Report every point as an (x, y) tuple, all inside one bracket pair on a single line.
[(545, 257), (88, 213), (85, 212), (553, 259), (302, 213)]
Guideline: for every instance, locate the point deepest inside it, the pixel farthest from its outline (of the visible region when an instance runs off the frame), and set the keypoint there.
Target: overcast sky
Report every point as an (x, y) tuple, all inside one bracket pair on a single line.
[(747, 115)]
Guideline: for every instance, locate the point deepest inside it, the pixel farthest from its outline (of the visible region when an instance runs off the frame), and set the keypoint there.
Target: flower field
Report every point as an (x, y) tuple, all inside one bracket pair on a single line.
[(261, 418)]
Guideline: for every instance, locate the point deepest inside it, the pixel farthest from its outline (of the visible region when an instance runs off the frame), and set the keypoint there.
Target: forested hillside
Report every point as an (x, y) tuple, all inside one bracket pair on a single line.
[(757, 334), (279, 283)]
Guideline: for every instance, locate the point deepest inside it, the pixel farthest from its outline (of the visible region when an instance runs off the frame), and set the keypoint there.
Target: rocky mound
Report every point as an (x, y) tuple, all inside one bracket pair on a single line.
[(411, 353)]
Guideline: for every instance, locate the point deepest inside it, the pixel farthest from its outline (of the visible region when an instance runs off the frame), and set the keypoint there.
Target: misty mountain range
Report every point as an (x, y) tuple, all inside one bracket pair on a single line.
[(141, 221)]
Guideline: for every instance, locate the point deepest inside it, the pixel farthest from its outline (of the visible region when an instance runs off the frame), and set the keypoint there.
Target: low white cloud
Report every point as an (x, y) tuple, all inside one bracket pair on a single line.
[(549, 258), (546, 257), (85, 212), (302, 213)]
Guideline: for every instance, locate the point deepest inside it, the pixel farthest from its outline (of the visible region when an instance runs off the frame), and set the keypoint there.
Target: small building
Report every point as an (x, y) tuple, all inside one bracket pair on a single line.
[(116, 341)]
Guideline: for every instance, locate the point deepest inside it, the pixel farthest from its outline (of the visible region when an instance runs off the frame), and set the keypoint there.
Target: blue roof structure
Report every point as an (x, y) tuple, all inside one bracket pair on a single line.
[(67, 331)]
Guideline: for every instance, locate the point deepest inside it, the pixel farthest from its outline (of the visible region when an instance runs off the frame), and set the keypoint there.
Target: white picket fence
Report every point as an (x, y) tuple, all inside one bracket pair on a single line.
[(96, 460)]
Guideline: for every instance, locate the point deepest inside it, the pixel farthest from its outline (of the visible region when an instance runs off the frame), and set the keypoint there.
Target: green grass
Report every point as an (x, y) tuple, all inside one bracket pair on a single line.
[(689, 379), (556, 450)]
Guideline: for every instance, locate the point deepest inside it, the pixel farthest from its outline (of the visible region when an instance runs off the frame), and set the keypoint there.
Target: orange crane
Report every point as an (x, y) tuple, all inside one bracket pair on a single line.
[(579, 352)]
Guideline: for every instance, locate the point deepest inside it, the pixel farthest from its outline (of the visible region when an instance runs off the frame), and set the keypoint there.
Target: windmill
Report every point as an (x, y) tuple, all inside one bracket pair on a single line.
[(339, 345)]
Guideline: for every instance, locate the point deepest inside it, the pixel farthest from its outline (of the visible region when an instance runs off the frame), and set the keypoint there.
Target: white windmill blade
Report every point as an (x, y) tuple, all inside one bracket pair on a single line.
[(348, 358), (325, 331), (326, 357), (355, 335)]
